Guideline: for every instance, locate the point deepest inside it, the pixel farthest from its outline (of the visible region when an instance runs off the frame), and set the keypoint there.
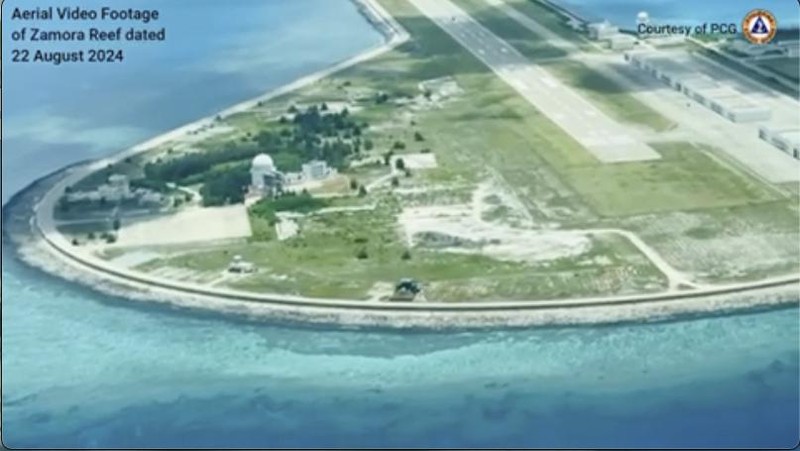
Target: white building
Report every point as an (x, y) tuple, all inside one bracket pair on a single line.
[(265, 179), (120, 184), (316, 170), (601, 30), (787, 139)]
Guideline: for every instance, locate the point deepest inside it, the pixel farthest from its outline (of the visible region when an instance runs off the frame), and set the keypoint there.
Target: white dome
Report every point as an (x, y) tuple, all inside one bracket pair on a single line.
[(642, 16), (263, 161)]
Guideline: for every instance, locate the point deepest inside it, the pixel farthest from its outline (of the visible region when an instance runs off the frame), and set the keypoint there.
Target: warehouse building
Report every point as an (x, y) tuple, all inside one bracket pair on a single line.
[(724, 100), (785, 139)]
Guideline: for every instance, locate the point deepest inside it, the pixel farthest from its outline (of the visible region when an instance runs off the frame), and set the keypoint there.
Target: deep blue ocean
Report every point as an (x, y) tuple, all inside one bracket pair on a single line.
[(82, 369)]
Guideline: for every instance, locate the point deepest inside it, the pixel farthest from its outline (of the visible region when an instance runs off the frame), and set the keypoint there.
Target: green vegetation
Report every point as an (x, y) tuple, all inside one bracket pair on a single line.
[(223, 173), (126, 167), (346, 254), (298, 203), (685, 178)]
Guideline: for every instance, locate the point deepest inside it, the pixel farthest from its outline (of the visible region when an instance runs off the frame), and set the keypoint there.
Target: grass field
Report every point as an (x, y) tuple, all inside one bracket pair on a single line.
[(323, 261), (685, 178)]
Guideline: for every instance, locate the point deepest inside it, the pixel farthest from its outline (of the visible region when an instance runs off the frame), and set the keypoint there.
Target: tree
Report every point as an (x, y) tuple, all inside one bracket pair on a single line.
[(353, 184), (90, 236), (387, 157), (395, 182), (116, 224), (292, 109), (111, 238), (75, 242), (399, 164), (324, 107), (406, 255), (368, 144), (283, 120), (418, 137), (362, 191), (362, 254), (408, 172), (399, 145)]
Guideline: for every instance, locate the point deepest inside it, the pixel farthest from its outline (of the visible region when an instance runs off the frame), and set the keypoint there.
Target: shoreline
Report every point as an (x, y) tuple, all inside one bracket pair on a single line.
[(46, 242)]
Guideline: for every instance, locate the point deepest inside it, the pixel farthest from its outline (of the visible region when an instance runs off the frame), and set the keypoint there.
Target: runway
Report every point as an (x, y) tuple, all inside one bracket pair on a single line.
[(607, 140)]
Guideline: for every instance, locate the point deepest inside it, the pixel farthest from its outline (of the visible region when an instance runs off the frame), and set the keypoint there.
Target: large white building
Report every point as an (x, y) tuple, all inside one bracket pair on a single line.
[(785, 139), (729, 103), (265, 179)]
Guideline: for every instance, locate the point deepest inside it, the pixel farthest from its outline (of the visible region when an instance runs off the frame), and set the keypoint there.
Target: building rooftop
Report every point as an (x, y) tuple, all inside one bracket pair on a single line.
[(263, 161)]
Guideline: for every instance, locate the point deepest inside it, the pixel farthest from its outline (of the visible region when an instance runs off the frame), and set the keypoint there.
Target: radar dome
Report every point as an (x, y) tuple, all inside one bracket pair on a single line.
[(263, 161)]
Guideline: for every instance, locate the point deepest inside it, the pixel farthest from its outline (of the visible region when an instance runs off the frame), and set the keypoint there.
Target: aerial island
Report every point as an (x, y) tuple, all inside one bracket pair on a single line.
[(491, 157)]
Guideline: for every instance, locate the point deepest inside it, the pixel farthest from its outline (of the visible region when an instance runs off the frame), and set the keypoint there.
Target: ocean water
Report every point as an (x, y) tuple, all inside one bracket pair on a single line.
[(623, 12), (81, 369)]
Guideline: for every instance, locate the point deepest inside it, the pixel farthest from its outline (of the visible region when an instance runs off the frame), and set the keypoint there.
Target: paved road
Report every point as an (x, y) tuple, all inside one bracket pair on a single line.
[(606, 139)]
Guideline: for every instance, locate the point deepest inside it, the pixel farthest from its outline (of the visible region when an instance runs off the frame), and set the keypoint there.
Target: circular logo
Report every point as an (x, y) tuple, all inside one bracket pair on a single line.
[(759, 26)]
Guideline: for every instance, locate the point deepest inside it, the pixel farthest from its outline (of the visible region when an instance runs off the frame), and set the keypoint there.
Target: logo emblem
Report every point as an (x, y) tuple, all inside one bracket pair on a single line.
[(759, 26)]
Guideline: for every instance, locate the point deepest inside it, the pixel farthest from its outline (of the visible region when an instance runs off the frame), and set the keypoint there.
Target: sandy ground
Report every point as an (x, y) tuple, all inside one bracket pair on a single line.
[(417, 160), (286, 228), (458, 230), (189, 225)]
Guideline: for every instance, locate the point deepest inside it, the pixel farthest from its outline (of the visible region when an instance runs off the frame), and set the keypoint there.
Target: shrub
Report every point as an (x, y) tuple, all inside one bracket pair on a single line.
[(418, 137), (362, 254), (406, 255)]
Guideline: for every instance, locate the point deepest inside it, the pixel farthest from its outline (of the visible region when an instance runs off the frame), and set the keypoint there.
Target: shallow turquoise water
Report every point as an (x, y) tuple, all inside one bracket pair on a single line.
[(83, 369)]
